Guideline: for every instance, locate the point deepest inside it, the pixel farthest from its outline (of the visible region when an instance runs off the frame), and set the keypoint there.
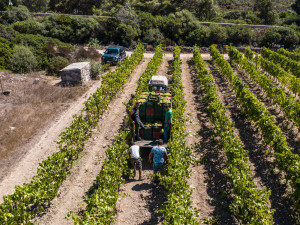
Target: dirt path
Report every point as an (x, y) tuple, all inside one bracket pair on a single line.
[(73, 190), (260, 165), (199, 177), (40, 147), (141, 198)]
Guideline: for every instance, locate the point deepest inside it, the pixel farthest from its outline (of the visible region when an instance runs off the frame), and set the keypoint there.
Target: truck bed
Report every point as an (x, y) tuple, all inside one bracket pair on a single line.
[(148, 143)]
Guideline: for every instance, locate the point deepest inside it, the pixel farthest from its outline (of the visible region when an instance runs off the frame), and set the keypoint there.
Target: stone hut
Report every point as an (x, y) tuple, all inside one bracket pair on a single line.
[(76, 73)]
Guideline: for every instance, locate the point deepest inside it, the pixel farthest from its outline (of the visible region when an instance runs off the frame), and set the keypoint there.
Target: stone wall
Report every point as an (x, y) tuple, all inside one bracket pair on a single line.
[(76, 73)]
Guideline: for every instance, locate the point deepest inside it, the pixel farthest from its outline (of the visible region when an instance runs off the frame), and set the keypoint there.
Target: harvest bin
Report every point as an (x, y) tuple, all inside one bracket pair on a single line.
[(157, 130), (148, 131)]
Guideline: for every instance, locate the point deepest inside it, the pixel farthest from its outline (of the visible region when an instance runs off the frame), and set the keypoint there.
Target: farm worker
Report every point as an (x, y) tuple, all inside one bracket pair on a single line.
[(134, 116), (159, 154), (134, 153), (168, 121)]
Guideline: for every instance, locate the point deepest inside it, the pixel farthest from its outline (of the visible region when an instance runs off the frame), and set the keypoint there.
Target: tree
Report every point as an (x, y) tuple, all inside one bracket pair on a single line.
[(205, 9), (217, 34), (126, 34), (265, 11), (280, 35), (296, 6), (153, 36), (198, 36), (239, 34), (15, 14), (22, 60), (36, 5)]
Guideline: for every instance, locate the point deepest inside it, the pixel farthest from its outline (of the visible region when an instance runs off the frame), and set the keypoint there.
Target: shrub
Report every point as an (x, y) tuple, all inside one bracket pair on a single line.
[(280, 35), (29, 27), (234, 15), (56, 64), (239, 34), (127, 34), (15, 14), (96, 69), (198, 37), (22, 60), (153, 36), (6, 32), (5, 52), (90, 53), (217, 34), (93, 43)]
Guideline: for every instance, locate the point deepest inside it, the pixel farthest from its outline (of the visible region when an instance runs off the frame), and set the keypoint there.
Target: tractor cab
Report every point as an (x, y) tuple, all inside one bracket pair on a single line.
[(158, 84)]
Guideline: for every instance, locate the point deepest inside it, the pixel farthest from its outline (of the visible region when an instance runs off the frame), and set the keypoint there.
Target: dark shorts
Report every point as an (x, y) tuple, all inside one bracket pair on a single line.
[(157, 167), (137, 163)]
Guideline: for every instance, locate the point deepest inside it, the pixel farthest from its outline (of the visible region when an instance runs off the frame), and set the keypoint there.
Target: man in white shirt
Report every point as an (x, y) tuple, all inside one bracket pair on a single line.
[(134, 152)]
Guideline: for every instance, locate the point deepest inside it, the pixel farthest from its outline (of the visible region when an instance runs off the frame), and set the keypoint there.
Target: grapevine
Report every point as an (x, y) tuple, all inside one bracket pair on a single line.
[(285, 62), (250, 205), (286, 78), (287, 104), (285, 160)]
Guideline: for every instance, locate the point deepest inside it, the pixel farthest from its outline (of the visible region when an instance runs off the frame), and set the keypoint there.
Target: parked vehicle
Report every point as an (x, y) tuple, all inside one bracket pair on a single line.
[(113, 55)]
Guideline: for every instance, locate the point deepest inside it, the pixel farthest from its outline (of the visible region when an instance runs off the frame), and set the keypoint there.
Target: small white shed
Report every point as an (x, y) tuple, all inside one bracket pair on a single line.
[(76, 73)]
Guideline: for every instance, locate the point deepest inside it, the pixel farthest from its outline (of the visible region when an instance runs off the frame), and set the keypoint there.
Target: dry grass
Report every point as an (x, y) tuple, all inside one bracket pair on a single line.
[(29, 107)]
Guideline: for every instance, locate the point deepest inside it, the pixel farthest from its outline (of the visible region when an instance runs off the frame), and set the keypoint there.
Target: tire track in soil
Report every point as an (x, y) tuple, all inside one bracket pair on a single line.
[(87, 167), (291, 133), (210, 184), (199, 178), (260, 165), (141, 199)]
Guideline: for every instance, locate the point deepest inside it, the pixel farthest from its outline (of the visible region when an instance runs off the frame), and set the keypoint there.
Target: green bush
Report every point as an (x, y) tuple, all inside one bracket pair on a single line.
[(5, 52), (93, 43), (29, 27), (15, 14), (153, 36), (198, 37), (56, 64), (90, 53), (217, 34), (38, 45), (96, 69), (22, 60), (240, 34), (280, 35), (6, 32), (127, 34)]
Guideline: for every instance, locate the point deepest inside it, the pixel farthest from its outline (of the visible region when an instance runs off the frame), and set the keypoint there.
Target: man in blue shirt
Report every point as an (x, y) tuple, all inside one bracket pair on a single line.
[(159, 154)]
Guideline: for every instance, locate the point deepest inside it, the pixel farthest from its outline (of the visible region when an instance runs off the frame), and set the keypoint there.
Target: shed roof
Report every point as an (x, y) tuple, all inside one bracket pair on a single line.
[(78, 65)]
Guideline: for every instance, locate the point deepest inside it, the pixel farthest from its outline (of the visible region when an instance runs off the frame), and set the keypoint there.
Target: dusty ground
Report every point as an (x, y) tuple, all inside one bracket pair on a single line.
[(30, 108), (141, 198), (199, 176)]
